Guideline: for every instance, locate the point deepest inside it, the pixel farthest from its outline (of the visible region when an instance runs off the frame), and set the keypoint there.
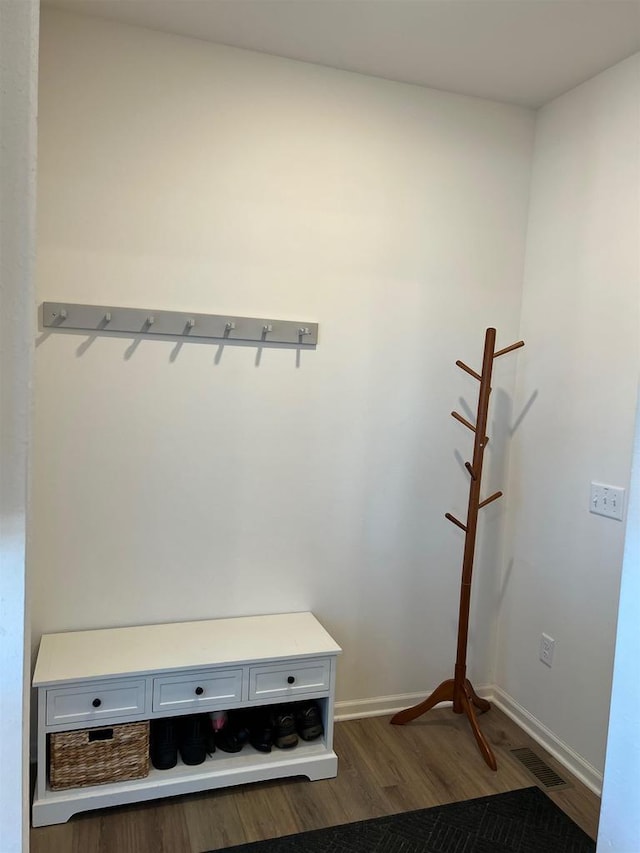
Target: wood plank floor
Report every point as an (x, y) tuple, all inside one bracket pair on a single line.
[(382, 770)]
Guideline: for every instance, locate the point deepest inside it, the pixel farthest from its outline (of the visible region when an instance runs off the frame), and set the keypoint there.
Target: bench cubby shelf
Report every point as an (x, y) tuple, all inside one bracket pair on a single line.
[(88, 679)]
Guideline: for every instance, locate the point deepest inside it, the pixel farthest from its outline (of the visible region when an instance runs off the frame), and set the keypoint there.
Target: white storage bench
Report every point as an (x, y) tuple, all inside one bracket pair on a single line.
[(106, 677)]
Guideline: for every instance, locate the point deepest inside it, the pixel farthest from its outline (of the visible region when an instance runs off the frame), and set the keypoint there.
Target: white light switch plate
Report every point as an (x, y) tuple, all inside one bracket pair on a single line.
[(607, 501)]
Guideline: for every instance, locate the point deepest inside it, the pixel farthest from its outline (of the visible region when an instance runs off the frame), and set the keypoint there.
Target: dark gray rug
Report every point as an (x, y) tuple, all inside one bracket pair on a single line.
[(524, 821)]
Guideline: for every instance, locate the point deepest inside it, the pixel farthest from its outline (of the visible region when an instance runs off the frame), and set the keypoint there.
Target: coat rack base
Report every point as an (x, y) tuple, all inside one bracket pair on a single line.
[(465, 700)]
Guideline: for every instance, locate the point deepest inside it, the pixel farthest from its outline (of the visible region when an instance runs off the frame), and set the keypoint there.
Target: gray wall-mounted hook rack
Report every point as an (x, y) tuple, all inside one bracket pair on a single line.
[(105, 319)]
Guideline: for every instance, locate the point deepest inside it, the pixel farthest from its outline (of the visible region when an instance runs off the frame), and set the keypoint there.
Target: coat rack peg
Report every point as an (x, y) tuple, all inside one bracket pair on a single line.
[(455, 521), (509, 349), (494, 497), (459, 690), (463, 421), (466, 368)]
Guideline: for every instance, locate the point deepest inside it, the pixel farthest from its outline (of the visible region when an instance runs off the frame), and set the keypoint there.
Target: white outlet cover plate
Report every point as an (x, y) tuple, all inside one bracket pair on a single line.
[(547, 647), (607, 501)]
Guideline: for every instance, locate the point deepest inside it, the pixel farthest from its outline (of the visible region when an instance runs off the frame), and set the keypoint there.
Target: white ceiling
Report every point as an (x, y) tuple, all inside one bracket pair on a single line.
[(519, 51)]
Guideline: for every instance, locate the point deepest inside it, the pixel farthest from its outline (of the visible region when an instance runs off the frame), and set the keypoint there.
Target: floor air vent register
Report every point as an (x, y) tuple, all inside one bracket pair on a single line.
[(539, 769)]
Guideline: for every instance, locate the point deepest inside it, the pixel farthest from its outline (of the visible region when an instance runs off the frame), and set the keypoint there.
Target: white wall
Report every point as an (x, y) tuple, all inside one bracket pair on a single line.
[(577, 388), (183, 483), (619, 827), (18, 78)]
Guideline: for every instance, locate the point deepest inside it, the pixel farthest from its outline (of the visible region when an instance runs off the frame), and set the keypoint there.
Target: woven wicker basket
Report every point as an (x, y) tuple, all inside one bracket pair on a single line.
[(92, 756)]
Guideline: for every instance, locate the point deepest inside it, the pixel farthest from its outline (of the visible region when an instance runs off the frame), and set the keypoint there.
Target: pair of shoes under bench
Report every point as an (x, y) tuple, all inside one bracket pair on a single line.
[(187, 735), (298, 719)]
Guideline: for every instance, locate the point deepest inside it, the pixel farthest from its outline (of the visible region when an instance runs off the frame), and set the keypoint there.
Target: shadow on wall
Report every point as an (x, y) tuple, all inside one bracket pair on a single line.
[(524, 412), (137, 339), (491, 580)]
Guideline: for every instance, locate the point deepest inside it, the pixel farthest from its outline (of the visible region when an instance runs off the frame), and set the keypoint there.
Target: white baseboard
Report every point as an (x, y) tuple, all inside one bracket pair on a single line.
[(574, 763), (379, 706), (356, 709)]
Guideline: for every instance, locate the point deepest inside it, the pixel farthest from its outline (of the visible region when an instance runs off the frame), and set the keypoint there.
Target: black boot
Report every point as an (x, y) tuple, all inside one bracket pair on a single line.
[(163, 743), (261, 730), (192, 738)]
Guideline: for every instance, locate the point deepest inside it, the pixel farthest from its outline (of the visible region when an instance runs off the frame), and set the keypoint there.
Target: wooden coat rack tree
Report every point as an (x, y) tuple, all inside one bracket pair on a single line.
[(459, 689)]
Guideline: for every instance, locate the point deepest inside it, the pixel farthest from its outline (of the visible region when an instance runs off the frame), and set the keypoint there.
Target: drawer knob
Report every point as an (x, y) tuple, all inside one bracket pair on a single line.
[(96, 703), (291, 680), (199, 691)]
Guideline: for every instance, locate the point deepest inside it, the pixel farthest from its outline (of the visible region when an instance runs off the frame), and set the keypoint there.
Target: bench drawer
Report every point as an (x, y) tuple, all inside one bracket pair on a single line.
[(206, 690), (286, 681), (94, 701)]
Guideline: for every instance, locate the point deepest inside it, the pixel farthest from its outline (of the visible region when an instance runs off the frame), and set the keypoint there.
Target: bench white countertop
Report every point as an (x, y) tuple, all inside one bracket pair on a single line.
[(102, 653)]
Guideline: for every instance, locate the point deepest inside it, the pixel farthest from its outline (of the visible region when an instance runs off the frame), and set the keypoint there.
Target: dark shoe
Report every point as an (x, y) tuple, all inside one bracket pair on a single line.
[(234, 733), (308, 720), (192, 738), (261, 730), (163, 745), (284, 728), (209, 736)]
